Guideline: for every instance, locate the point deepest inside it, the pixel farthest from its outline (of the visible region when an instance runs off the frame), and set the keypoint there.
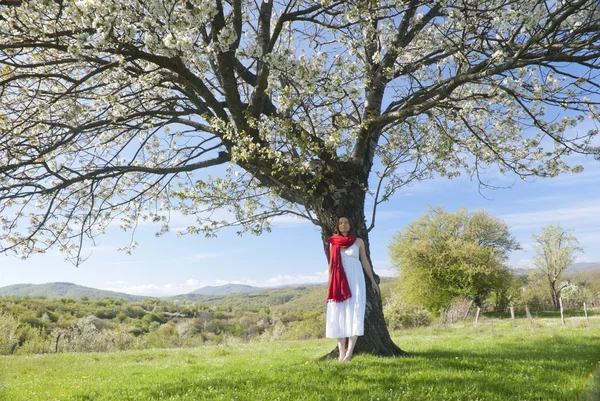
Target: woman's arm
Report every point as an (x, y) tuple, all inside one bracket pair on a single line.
[(366, 265)]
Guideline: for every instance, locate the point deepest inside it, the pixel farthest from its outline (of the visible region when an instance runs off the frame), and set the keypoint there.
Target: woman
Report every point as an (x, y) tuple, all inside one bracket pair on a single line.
[(346, 299)]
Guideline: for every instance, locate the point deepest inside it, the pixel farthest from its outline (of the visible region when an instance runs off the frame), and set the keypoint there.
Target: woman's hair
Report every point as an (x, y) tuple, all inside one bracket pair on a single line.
[(337, 226)]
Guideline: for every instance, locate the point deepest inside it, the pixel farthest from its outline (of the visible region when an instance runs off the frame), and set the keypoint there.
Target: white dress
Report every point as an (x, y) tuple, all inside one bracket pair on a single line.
[(347, 319)]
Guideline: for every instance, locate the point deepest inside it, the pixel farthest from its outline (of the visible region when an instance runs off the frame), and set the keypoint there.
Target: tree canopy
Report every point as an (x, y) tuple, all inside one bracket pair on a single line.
[(108, 109), (443, 255)]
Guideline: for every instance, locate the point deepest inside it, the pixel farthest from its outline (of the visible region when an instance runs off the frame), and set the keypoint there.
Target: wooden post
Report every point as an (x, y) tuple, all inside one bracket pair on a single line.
[(468, 310), (585, 312), (562, 315), (528, 314), (477, 315), (443, 315), (451, 317), (56, 343), (512, 313)]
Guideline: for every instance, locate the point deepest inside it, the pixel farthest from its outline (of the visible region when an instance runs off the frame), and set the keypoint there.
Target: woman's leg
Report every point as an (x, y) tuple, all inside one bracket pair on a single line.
[(342, 348), (351, 344)]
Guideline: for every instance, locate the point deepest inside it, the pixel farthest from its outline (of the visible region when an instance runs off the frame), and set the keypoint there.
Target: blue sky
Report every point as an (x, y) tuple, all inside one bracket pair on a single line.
[(292, 252)]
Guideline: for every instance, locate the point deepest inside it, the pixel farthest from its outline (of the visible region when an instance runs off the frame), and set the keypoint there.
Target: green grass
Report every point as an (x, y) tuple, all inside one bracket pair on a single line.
[(494, 360)]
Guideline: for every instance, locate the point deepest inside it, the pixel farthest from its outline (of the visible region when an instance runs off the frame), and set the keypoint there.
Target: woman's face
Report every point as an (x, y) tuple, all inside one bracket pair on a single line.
[(344, 225)]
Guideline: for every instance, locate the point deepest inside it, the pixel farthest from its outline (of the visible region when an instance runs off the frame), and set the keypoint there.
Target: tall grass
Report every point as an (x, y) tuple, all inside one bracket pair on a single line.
[(493, 360)]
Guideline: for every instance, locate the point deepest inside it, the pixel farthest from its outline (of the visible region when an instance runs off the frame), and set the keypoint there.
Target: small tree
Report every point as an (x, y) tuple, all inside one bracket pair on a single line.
[(443, 255), (555, 250)]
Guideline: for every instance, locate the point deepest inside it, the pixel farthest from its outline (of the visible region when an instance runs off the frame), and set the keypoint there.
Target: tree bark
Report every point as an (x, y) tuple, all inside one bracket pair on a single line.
[(554, 295), (376, 339)]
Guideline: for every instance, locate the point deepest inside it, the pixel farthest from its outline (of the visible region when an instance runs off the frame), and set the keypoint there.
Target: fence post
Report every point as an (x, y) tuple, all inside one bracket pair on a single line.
[(56, 343), (512, 313), (528, 314), (468, 310), (562, 315), (477, 315), (585, 312)]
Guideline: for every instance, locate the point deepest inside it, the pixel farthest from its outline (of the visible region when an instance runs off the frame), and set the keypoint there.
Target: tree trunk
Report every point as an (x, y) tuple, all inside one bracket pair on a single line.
[(554, 295), (376, 339)]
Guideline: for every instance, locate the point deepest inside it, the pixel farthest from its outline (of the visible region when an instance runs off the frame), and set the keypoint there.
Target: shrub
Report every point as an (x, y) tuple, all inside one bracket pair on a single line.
[(536, 293), (305, 329), (36, 343), (401, 315), (275, 331), (85, 336), (573, 296), (459, 307), (8, 332)]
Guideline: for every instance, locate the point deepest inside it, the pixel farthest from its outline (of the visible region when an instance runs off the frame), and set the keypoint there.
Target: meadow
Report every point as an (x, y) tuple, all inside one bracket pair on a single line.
[(496, 359)]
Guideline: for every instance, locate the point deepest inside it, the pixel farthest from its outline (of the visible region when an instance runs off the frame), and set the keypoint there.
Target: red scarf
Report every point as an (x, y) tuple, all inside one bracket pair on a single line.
[(339, 290)]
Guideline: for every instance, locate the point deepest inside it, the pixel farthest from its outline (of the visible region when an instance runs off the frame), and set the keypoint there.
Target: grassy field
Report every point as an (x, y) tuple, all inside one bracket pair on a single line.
[(493, 360)]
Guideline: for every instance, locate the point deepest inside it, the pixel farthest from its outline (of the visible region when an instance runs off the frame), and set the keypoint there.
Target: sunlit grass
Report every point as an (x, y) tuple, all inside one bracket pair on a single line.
[(493, 360)]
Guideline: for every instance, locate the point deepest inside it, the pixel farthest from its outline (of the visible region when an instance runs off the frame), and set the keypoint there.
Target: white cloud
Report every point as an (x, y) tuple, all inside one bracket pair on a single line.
[(523, 263), (171, 289), (281, 279), (142, 289), (387, 273), (200, 256), (539, 199), (568, 217), (590, 175), (98, 249), (289, 219), (388, 214), (125, 262), (118, 282), (155, 290), (583, 259)]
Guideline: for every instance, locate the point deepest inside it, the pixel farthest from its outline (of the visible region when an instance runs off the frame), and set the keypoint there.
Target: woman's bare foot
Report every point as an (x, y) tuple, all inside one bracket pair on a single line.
[(348, 357)]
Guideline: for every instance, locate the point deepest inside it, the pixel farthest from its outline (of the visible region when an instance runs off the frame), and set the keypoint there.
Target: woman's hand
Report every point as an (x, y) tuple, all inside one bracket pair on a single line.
[(375, 287)]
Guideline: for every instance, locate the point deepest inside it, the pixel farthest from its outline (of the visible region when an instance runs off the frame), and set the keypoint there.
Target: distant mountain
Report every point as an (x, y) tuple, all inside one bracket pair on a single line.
[(583, 267), (574, 268), (307, 297), (63, 290), (519, 271), (225, 289)]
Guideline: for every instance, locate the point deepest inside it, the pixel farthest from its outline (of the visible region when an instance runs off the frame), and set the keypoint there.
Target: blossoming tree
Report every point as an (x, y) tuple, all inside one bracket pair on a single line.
[(110, 109)]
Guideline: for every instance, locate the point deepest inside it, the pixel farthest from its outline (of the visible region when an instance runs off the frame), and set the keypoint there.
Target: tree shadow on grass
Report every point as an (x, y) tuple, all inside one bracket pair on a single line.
[(533, 370), (593, 389)]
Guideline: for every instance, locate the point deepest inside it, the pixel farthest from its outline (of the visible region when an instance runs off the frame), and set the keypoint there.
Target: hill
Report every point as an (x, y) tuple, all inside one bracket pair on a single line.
[(575, 268), (225, 289), (63, 290), (584, 267), (309, 297)]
